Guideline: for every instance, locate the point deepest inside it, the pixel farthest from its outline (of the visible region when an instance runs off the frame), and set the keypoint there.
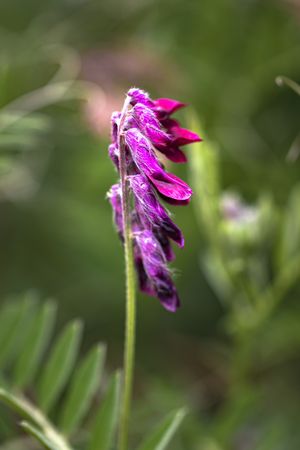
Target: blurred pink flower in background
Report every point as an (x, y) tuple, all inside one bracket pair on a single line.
[(114, 70)]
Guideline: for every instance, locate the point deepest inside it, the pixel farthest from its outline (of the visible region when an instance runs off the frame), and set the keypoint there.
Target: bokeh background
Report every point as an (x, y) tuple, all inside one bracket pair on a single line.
[(64, 67)]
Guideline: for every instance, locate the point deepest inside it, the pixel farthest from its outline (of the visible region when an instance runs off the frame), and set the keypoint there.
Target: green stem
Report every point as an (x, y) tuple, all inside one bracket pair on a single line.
[(130, 295)]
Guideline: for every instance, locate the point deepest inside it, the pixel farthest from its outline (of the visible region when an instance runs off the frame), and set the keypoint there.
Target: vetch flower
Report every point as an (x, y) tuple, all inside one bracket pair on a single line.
[(143, 128)]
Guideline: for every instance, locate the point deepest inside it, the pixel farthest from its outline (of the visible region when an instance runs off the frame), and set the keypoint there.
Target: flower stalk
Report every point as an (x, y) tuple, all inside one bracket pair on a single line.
[(130, 320)]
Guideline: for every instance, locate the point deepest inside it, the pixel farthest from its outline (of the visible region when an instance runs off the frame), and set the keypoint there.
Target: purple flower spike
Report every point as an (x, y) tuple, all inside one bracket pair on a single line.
[(144, 127), (155, 266)]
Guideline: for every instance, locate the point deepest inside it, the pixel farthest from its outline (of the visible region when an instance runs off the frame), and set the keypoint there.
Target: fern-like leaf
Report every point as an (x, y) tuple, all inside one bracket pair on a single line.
[(25, 334)]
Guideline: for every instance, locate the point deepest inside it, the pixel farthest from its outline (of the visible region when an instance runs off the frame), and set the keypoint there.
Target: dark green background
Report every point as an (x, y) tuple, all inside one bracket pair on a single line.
[(221, 57)]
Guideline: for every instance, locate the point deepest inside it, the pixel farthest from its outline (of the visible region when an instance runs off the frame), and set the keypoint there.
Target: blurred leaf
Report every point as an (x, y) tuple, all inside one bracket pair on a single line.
[(105, 423), (54, 377), (38, 435), (59, 365), (160, 438), (84, 385), (289, 246), (14, 319), (288, 82), (280, 340), (26, 410), (216, 275), (34, 123), (204, 175), (18, 404), (35, 345), (240, 406)]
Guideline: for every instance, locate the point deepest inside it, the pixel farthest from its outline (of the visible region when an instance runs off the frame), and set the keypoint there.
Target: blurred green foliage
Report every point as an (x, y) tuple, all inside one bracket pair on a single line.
[(233, 349)]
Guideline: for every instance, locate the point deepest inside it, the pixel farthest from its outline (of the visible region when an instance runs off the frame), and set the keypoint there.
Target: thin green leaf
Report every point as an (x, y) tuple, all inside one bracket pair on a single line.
[(35, 345), (162, 435), (60, 365), (15, 317), (84, 385), (106, 420), (38, 435)]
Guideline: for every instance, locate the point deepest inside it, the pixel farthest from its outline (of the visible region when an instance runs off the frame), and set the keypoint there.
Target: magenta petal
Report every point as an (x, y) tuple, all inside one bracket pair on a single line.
[(143, 155), (181, 136), (154, 263), (168, 105), (145, 284), (157, 136), (114, 196), (184, 136), (165, 244), (174, 202), (172, 187), (149, 124), (140, 96), (152, 214), (173, 153), (114, 155), (115, 118)]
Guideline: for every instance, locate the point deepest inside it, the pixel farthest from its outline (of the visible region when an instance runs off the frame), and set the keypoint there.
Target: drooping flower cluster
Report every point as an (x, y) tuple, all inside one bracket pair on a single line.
[(147, 128)]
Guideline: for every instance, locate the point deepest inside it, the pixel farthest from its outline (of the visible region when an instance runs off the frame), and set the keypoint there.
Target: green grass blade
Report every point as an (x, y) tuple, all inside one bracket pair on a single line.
[(84, 385), (60, 365), (106, 419), (38, 435), (35, 345), (160, 438)]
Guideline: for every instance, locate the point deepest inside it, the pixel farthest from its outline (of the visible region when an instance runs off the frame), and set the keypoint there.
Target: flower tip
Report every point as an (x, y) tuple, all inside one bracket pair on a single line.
[(181, 242), (171, 304), (168, 105)]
